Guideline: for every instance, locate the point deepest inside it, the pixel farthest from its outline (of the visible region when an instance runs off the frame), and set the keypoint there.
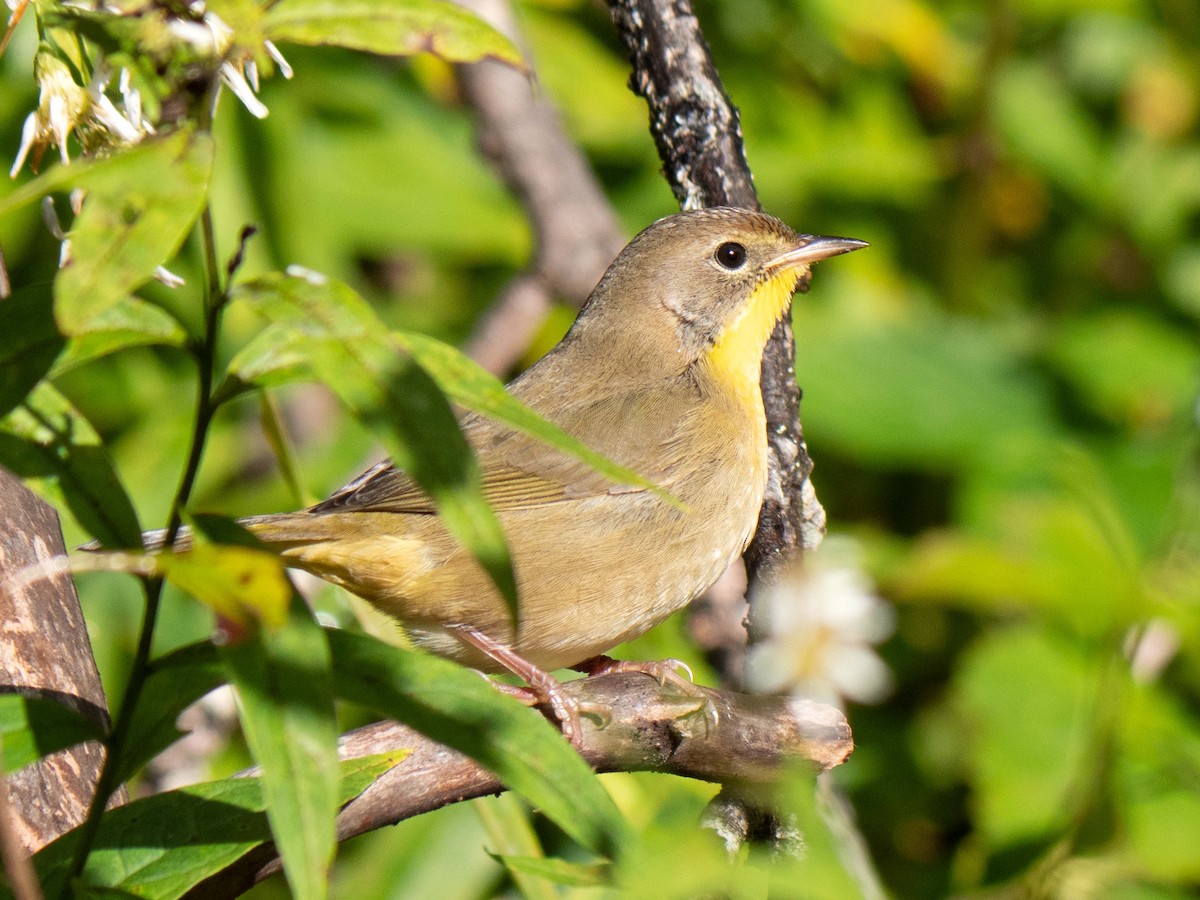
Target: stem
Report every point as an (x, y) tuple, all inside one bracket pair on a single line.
[(205, 353)]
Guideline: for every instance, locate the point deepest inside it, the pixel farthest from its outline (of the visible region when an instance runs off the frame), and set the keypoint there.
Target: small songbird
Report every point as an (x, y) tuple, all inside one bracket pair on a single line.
[(660, 372)]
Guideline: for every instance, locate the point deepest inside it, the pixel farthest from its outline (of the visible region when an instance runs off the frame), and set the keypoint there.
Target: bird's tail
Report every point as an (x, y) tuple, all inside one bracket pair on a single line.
[(277, 531)]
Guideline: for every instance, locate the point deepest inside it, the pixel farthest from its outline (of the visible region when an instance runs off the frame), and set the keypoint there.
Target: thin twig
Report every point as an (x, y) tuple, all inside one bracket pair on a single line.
[(216, 295), (17, 866)]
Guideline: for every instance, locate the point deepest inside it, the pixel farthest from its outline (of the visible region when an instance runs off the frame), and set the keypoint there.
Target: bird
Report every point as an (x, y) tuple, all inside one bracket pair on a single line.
[(659, 372)]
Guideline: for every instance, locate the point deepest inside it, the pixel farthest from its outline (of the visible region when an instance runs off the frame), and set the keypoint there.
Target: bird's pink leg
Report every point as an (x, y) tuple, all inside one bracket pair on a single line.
[(544, 689)]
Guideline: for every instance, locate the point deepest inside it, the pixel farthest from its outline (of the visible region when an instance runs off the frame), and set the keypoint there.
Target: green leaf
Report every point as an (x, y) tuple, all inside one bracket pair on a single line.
[(130, 322), (175, 682), (32, 727), (283, 679), (239, 583), (1039, 118), (163, 846), (140, 205), (560, 871), (454, 706), (932, 396), (29, 343), (48, 438), (274, 356), (505, 818), (1130, 367), (270, 417), (348, 348), (392, 27), (467, 383), (1154, 778), (1026, 699)]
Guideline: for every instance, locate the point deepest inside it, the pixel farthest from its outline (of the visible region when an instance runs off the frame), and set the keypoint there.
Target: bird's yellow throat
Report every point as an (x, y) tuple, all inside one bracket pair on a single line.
[(736, 357)]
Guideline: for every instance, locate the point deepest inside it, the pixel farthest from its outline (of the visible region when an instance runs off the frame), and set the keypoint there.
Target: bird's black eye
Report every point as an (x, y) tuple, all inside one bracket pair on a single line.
[(731, 255)]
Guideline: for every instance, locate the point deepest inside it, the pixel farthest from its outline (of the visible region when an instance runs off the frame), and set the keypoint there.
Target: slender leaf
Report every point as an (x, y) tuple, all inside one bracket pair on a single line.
[(160, 847), (392, 27), (48, 438), (29, 343), (139, 207), (349, 349), (239, 583), (282, 678), (510, 833), (176, 681), (275, 356), (271, 419), (130, 322), (32, 727), (560, 871), (454, 706), (466, 382)]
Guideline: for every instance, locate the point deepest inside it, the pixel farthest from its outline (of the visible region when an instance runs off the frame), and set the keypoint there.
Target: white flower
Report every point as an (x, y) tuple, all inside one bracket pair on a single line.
[(60, 107), (95, 118), (65, 107), (822, 621)]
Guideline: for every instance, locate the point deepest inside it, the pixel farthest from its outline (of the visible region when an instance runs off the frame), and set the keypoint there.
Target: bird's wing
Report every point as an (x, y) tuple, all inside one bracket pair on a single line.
[(520, 471), (384, 488)]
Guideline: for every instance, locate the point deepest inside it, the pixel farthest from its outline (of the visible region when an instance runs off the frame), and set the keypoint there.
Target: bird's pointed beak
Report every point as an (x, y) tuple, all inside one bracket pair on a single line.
[(812, 248)]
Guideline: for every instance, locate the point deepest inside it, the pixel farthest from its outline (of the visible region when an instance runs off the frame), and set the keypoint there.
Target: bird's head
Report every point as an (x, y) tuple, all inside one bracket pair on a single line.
[(707, 284)]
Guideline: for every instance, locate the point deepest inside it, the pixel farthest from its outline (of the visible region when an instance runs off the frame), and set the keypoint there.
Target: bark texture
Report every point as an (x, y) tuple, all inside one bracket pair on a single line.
[(45, 652)]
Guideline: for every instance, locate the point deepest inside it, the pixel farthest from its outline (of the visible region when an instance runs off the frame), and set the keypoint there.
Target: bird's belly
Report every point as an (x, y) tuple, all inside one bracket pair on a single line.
[(586, 590)]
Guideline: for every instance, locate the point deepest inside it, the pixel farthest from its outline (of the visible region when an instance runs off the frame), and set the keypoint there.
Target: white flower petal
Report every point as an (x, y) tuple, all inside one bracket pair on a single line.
[(856, 673), (236, 82), (169, 278), (285, 68), (197, 35), (107, 114), (29, 136), (60, 125), (50, 217)]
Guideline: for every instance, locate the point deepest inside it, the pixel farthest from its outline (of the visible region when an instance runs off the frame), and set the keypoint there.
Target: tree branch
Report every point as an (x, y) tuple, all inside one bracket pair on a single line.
[(45, 651), (576, 232), (652, 728)]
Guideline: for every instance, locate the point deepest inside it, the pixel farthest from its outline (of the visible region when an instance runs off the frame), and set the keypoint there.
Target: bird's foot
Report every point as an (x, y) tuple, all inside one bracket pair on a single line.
[(542, 688), (665, 671)]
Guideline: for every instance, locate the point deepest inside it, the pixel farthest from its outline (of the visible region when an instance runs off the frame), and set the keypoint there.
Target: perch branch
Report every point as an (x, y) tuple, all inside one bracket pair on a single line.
[(653, 728)]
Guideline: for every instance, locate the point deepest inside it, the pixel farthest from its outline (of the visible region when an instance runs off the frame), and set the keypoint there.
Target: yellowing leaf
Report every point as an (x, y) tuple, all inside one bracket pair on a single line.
[(238, 582), (394, 27)]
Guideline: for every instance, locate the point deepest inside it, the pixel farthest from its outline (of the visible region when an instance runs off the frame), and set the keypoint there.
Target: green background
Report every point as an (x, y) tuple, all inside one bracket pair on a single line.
[(1000, 395)]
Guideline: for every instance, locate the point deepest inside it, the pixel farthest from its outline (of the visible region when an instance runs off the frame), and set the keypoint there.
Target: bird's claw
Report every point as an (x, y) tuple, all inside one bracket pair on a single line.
[(664, 671)]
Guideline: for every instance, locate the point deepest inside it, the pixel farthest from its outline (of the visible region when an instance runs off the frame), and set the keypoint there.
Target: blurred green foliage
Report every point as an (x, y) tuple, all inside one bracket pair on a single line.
[(1000, 396)]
